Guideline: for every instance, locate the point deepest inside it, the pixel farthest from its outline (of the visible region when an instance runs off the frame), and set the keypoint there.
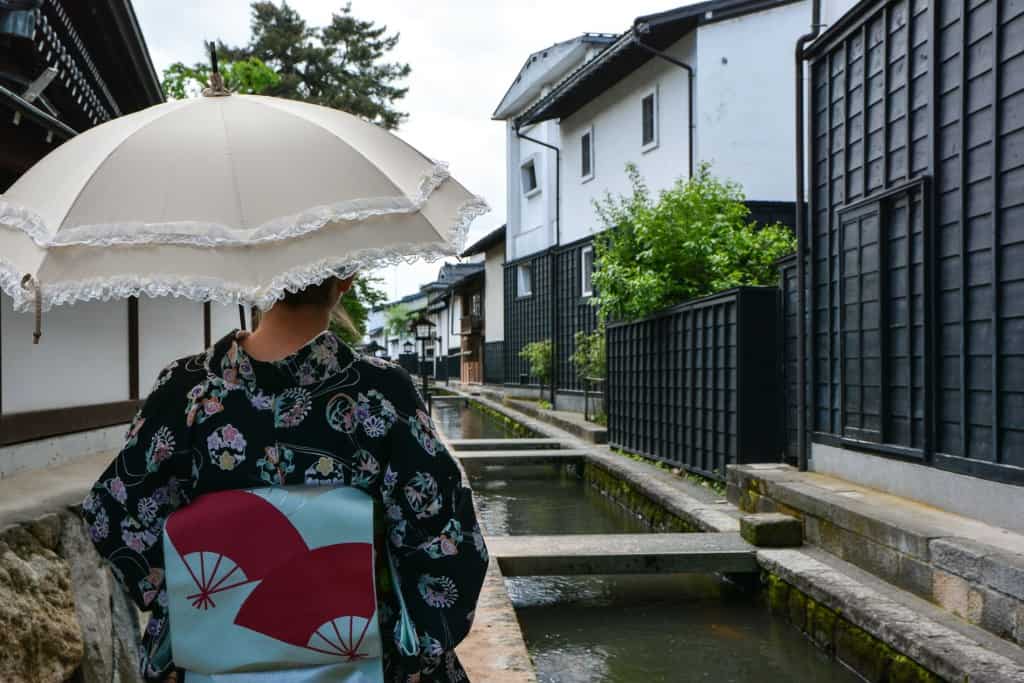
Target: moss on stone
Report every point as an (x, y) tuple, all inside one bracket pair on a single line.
[(634, 500), (867, 655), (778, 594), (518, 429)]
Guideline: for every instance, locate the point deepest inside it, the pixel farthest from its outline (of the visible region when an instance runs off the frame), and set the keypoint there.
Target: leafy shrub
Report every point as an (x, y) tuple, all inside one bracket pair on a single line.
[(538, 356), (589, 357), (693, 240)]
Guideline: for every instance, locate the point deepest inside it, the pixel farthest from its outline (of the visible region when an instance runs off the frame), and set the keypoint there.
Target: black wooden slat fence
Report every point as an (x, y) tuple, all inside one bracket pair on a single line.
[(698, 385)]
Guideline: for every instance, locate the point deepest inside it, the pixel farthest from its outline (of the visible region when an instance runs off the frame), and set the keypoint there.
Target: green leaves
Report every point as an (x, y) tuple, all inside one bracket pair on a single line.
[(693, 240), (398, 318), (589, 358), (249, 76), (538, 356), (340, 65)]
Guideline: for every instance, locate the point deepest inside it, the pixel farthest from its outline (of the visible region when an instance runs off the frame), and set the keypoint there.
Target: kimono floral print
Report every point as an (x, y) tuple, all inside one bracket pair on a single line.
[(321, 417)]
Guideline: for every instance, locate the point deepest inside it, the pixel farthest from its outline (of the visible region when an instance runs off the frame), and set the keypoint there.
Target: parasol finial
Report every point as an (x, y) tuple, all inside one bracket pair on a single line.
[(216, 87)]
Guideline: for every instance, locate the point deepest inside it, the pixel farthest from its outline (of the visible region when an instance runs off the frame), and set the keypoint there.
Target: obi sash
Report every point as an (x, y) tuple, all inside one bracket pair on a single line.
[(274, 584)]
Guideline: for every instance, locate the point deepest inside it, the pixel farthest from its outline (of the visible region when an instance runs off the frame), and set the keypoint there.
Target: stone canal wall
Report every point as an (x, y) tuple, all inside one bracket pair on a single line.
[(62, 616)]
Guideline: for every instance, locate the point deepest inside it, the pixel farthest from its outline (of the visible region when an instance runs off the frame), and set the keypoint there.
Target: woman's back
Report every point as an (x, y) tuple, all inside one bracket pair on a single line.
[(322, 416)]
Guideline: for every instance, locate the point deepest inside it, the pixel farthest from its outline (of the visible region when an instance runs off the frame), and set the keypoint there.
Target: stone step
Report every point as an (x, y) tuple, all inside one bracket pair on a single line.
[(581, 554), (519, 458), (502, 444)]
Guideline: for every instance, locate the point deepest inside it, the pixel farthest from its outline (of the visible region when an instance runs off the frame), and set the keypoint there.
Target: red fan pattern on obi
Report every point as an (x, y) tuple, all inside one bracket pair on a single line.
[(234, 538)]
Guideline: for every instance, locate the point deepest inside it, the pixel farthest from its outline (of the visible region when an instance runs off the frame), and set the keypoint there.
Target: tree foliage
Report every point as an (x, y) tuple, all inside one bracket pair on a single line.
[(694, 239), (355, 307), (397, 320), (249, 76), (589, 357), (538, 356), (342, 65)]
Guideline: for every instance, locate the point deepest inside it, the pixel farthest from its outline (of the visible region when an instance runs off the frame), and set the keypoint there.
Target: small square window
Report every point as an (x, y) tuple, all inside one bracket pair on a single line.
[(587, 155), (587, 271), (529, 178), (524, 280), (649, 121)]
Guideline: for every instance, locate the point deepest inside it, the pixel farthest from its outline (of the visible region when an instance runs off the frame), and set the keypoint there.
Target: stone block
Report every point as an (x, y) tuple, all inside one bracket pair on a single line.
[(773, 530), (866, 655), (952, 593), (797, 609), (1004, 572), (821, 626), (959, 556), (880, 560), (998, 612), (915, 576)]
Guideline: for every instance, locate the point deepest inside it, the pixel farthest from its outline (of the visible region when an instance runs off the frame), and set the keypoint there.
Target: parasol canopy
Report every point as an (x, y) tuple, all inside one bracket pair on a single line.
[(232, 199)]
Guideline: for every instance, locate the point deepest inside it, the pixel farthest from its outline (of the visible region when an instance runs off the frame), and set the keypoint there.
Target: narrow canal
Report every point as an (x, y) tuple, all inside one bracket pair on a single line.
[(624, 629)]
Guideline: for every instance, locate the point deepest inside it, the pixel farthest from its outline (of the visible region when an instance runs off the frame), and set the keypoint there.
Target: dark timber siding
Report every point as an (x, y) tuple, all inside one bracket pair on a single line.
[(574, 314), (917, 242), (790, 337), (527, 318), (698, 385), (494, 362)]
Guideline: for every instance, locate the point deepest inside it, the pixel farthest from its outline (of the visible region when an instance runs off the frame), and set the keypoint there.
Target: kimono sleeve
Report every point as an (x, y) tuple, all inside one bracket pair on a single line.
[(126, 508), (433, 533)]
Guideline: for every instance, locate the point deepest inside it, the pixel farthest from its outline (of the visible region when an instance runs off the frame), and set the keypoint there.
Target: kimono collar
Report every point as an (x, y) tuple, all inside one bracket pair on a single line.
[(318, 359)]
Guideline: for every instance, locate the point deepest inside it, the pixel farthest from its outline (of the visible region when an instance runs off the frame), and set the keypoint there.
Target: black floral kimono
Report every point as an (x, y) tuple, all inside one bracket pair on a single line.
[(322, 416)]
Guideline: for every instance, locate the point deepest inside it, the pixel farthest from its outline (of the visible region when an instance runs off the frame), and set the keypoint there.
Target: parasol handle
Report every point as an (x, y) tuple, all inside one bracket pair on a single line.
[(31, 284)]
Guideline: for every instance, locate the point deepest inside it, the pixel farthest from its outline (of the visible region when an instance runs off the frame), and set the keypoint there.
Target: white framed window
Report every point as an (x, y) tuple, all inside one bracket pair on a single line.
[(649, 120), (524, 280), (587, 271), (529, 180), (587, 155)]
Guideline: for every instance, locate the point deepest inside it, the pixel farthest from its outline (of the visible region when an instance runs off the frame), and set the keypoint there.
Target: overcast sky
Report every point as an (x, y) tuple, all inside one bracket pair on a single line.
[(463, 53)]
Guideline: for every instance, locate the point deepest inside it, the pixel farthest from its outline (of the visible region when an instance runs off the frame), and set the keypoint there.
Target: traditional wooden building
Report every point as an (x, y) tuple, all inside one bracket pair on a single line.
[(915, 280), (65, 67)]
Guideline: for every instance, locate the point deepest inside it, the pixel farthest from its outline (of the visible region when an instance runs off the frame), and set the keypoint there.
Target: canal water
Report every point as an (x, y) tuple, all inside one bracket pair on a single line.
[(625, 629), (459, 419)]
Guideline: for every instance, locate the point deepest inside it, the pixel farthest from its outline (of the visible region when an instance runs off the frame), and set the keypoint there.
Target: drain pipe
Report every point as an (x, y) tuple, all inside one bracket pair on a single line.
[(801, 239), (554, 259), (646, 28)]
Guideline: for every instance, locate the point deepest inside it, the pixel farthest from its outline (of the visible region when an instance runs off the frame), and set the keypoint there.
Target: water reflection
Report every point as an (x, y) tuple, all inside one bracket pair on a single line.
[(459, 419), (674, 628), (546, 499)]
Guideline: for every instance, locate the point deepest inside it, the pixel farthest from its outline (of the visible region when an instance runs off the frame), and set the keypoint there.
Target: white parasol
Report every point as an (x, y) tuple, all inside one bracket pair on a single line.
[(232, 199)]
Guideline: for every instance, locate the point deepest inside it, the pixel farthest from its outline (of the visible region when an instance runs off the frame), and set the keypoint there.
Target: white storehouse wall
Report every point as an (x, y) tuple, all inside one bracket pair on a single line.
[(615, 120), (745, 91), (494, 294), (168, 329)]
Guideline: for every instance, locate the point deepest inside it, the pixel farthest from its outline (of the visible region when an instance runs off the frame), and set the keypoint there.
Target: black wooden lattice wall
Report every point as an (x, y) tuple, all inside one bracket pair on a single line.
[(917, 249), (698, 385), (527, 318), (494, 362), (575, 313)]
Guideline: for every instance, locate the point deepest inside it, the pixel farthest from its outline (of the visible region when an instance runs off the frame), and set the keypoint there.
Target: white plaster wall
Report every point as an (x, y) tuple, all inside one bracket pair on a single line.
[(453, 324), (832, 10), (169, 329), (494, 294), (81, 359), (531, 224), (745, 92), (223, 319), (616, 120)]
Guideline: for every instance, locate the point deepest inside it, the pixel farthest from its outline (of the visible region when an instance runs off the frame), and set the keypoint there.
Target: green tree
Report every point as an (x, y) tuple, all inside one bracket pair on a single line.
[(397, 320), (355, 307), (538, 355), (342, 65), (589, 357), (694, 239), (249, 76)]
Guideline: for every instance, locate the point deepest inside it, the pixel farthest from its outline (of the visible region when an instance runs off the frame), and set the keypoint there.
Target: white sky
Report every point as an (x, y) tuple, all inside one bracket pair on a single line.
[(464, 54)]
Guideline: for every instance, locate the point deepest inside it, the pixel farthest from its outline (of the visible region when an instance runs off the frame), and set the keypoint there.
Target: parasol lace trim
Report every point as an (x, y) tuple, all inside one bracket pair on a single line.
[(208, 234), (226, 292)]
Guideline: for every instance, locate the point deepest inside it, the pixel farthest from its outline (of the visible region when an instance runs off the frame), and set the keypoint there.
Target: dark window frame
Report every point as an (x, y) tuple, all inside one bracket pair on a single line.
[(587, 155), (649, 120)]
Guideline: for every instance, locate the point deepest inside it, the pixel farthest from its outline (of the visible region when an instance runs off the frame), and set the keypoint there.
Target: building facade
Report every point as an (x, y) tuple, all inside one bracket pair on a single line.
[(707, 83), (916, 240), (65, 67)]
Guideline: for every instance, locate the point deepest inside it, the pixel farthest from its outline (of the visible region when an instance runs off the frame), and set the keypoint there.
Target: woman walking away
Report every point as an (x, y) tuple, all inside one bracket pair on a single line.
[(286, 512)]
